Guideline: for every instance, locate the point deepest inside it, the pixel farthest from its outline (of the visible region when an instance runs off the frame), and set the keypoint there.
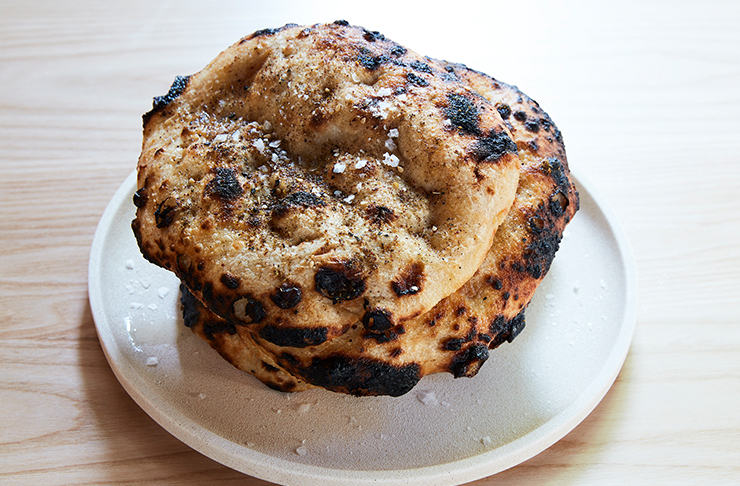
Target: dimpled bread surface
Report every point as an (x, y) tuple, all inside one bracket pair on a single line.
[(313, 178), (457, 334)]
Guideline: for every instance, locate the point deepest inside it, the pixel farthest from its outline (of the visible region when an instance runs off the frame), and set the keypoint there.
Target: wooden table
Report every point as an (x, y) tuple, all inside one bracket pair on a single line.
[(646, 94)]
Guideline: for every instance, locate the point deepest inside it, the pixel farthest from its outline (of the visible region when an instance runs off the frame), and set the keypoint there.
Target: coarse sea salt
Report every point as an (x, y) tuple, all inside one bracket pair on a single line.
[(360, 164), (162, 292), (339, 167), (390, 160), (390, 144), (393, 132), (259, 145), (152, 361), (385, 92), (130, 264), (427, 397)]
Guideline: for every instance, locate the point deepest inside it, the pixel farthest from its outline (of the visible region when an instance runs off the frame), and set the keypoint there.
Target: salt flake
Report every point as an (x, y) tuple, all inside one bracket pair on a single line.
[(427, 397), (390, 160), (152, 361)]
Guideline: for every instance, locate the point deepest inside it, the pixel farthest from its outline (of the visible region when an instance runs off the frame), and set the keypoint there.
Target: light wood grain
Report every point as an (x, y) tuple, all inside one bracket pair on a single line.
[(646, 94)]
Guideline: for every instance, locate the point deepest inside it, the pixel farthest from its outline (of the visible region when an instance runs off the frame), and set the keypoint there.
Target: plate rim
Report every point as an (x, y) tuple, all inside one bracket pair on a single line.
[(275, 469)]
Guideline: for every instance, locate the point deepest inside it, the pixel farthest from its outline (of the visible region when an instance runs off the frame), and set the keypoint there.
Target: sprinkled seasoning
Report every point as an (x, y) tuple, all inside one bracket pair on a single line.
[(390, 160)]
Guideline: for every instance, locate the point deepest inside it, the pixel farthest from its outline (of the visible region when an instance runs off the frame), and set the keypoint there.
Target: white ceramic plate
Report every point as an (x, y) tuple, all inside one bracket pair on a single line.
[(528, 395)]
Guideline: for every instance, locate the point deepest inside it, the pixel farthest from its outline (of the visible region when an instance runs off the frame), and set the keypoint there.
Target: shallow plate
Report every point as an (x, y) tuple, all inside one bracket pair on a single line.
[(528, 395)]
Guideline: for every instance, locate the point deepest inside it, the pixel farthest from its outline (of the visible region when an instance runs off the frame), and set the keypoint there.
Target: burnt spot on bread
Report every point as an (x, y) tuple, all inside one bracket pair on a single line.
[(493, 146), (463, 114), (532, 126), (416, 80), (536, 224), (293, 337), (287, 296), (453, 344), (225, 184), (165, 213), (495, 282), (468, 362), (409, 281), (160, 102), (342, 23), (386, 336), (230, 281), (372, 36), (140, 198), (296, 199), (504, 110), (380, 214), (361, 376), (248, 310), (370, 60), (421, 67), (398, 51), (377, 320), (558, 203), (192, 317), (539, 254), (340, 281), (190, 312), (503, 330)]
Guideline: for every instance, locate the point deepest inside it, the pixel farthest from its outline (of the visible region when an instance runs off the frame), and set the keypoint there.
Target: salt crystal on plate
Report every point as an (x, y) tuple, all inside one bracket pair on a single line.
[(301, 451), (162, 292), (130, 264), (427, 397), (486, 441), (145, 283), (151, 361)]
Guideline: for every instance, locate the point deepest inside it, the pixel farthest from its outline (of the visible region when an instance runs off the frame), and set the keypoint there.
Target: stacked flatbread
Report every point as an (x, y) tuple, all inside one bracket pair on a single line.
[(345, 213)]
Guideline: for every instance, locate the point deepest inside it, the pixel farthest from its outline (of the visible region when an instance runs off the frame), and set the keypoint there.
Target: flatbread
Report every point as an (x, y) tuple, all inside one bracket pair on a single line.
[(457, 334), (310, 178)]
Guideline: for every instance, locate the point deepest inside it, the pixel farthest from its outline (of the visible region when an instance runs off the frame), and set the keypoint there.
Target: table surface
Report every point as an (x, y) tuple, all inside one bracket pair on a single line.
[(646, 94)]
